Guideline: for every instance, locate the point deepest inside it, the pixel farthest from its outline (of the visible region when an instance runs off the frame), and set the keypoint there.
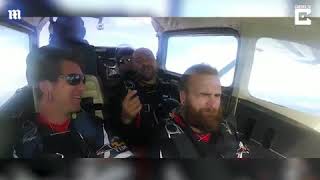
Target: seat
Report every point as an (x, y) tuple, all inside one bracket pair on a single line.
[(20, 102), (92, 98), (10, 112)]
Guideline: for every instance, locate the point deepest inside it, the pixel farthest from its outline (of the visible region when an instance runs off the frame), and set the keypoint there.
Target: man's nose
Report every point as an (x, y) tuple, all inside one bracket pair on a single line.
[(213, 103)]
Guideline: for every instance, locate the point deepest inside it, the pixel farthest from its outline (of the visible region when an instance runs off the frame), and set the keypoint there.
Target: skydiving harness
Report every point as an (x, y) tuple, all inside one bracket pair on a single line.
[(148, 110), (186, 145)]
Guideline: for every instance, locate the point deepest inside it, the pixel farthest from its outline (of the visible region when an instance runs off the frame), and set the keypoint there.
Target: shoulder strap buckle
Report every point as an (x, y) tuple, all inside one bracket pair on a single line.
[(173, 129)]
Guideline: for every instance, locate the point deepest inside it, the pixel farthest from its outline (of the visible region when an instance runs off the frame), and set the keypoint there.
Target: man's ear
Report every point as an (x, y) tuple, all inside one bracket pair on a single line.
[(182, 97), (156, 63), (45, 87)]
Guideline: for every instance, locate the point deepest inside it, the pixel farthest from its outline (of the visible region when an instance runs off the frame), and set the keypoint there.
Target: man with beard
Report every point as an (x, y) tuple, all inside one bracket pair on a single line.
[(141, 112), (199, 119)]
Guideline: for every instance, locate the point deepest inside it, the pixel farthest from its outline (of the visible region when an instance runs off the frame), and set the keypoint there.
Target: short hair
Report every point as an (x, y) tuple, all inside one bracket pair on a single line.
[(203, 69), (144, 51), (124, 51), (45, 64)]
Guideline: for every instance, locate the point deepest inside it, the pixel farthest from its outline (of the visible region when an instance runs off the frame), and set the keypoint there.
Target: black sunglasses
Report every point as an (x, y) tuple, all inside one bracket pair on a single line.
[(125, 60), (73, 79)]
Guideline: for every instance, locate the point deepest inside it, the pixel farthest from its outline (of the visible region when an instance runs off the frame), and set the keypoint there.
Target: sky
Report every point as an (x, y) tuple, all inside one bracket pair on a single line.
[(14, 47), (216, 51)]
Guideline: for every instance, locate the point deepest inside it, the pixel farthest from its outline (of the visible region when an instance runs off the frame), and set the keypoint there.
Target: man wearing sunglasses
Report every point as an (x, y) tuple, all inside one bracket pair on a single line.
[(197, 123), (58, 83)]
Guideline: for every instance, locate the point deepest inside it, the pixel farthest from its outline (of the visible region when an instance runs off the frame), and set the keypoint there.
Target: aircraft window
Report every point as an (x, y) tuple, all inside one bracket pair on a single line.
[(218, 51), (115, 31), (44, 34), (286, 73), (14, 47)]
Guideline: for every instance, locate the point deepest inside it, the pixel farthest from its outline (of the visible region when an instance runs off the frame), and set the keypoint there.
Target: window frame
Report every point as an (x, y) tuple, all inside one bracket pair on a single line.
[(214, 31), (23, 27)]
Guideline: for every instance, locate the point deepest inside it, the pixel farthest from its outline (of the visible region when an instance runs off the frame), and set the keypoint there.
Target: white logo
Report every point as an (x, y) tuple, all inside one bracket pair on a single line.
[(301, 14), (242, 150), (14, 14)]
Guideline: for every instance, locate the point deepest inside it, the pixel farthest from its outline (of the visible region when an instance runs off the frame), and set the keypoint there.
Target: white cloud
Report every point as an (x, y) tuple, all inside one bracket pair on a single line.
[(231, 8), (155, 7), (132, 22)]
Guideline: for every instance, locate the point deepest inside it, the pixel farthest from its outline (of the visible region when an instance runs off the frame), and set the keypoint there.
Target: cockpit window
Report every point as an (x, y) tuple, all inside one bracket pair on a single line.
[(218, 51), (14, 47), (286, 73), (115, 31)]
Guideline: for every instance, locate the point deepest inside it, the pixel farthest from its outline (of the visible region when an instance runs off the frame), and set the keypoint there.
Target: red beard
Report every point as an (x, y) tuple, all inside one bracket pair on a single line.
[(206, 120)]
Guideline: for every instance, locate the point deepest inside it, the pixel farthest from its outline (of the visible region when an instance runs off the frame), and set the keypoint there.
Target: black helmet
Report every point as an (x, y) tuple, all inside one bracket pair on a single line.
[(68, 28), (167, 106)]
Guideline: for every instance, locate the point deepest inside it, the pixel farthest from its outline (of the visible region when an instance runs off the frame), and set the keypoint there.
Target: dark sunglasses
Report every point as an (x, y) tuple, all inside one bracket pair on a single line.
[(125, 60), (73, 79)]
